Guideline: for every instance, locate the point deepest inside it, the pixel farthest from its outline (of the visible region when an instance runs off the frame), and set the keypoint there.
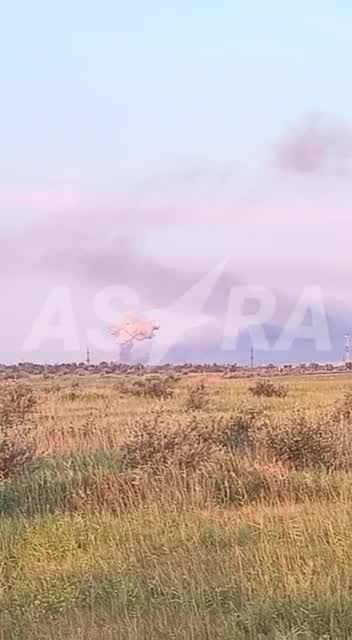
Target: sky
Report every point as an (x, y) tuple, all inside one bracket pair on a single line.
[(146, 144)]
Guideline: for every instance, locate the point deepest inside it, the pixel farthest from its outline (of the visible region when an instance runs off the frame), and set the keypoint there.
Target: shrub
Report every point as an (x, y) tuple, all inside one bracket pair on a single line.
[(197, 398), (71, 395), (157, 387), (296, 440), (304, 441), (159, 440), (343, 407), (242, 431), (267, 389), (17, 403)]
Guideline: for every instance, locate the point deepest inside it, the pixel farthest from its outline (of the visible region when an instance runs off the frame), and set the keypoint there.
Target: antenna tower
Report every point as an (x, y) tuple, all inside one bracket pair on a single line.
[(252, 357)]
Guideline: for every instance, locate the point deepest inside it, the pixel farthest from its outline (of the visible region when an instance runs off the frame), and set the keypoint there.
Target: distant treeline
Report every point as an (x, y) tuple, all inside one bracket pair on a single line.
[(27, 369)]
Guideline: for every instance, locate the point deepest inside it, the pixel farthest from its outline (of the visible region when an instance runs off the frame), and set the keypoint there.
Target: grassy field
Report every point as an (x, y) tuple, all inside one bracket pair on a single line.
[(212, 515)]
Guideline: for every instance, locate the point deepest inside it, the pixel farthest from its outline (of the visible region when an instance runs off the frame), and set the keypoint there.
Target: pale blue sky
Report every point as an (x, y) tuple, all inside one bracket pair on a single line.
[(184, 126), (91, 92)]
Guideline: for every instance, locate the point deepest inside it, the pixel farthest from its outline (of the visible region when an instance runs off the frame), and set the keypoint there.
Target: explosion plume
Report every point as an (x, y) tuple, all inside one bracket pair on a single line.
[(130, 329)]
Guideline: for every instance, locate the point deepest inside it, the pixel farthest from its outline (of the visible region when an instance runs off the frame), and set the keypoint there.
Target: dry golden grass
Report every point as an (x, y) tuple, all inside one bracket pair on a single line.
[(142, 518), (98, 415)]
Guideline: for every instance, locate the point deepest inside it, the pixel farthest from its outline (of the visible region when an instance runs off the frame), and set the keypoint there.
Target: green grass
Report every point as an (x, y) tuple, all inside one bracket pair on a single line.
[(90, 551), (95, 483), (279, 573)]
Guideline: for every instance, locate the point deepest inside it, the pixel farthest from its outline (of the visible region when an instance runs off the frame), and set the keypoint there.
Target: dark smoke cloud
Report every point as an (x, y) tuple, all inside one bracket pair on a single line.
[(122, 263), (319, 145), (93, 258)]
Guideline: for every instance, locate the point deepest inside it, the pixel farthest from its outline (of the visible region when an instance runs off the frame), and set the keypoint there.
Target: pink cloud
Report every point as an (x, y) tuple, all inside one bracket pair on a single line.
[(51, 199)]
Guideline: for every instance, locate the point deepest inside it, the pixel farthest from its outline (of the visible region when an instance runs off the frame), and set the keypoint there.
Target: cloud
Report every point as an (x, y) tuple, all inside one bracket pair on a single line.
[(82, 260), (160, 240), (319, 145), (47, 199), (123, 263)]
